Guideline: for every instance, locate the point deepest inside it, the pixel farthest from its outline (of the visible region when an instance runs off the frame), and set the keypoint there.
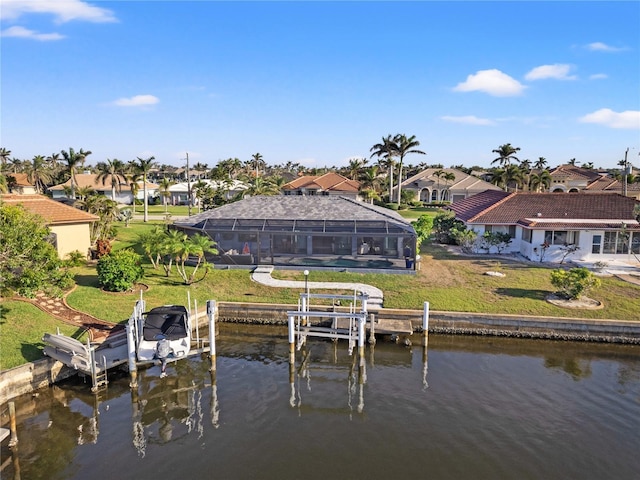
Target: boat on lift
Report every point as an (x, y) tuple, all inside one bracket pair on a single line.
[(163, 334)]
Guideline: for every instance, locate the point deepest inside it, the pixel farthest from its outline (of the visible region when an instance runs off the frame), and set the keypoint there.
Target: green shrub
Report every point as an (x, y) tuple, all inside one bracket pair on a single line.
[(392, 206), (119, 271), (75, 259), (575, 282)]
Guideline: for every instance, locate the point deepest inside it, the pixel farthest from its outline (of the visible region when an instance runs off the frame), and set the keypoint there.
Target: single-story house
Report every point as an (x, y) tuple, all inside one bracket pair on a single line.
[(603, 226), (179, 192), (430, 185), (19, 183), (306, 231), (70, 227), (90, 180), (330, 183)]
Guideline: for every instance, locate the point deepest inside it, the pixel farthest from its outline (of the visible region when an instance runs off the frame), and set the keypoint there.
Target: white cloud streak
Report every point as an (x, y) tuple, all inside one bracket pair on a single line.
[(603, 47), (493, 82), (629, 119), (557, 71), (468, 120), (137, 101), (62, 10), (21, 32), (598, 76)]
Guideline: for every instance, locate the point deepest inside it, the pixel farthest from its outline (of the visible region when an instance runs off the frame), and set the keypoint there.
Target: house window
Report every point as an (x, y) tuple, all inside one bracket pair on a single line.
[(512, 231), (558, 237), (619, 242), (635, 243), (596, 244), (526, 235), (434, 195)]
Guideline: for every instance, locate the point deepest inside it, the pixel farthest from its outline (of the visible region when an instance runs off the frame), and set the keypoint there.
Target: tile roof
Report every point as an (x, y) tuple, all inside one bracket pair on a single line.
[(21, 179), (54, 213), (299, 207), (330, 181), (576, 173), (536, 208), (463, 181)]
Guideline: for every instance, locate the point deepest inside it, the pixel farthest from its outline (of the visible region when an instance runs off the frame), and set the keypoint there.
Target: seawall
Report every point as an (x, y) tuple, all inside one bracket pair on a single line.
[(42, 373)]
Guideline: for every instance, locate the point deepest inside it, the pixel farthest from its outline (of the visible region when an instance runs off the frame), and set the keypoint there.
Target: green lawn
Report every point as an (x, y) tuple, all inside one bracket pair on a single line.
[(449, 282)]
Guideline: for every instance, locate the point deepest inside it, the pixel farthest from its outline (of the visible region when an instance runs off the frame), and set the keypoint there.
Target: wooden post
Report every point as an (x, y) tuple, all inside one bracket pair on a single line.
[(12, 422), (131, 350)]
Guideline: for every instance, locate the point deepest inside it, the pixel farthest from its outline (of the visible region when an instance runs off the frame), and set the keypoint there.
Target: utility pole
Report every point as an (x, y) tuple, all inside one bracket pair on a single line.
[(188, 186), (624, 173)]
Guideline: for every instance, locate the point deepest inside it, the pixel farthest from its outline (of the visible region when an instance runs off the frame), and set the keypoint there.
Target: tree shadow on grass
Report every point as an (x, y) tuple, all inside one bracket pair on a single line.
[(87, 281), (32, 352), (523, 293)]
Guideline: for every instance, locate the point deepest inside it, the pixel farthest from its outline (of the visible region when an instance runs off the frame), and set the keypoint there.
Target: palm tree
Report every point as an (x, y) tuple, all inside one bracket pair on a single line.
[(573, 162), (197, 245), (540, 181), (386, 150), (38, 174), (113, 172), (513, 175), (260, 186), (540, 164), (257, 162), (370, 183), (4, 156), (438, 173), (132, 179), (506, 154), (355, 167), (163, 189), (143, 166), (448, 177), (404, 146), (74, 160)]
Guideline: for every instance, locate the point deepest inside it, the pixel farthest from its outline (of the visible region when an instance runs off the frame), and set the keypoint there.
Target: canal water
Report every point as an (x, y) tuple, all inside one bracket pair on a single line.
[(463, 408)]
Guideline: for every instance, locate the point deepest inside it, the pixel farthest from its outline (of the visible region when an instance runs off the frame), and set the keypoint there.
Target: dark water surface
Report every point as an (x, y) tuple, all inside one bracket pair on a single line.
[(466, 408)]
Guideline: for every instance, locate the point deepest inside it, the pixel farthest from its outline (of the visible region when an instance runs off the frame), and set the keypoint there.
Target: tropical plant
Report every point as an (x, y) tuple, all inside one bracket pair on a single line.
[(196, 246), (386, 151), (144, 166), (112, 171), (445, 226), (74, 160), (506, 154), (28, 261), (120, 270), (404, 146), (540, 181), (38, 173), (165, 192), (574, 283), (423, 227)]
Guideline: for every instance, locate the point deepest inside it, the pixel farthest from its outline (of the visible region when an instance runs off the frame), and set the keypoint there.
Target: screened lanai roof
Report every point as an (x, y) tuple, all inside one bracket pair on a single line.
[(314, 214)]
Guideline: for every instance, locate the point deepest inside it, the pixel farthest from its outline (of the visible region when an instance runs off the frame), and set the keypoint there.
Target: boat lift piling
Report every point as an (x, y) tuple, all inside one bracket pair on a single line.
[(425, 323), (211, 314)]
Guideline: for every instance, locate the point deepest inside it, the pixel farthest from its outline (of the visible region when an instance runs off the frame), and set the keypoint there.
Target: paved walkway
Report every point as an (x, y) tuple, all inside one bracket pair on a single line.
[(262, 274)]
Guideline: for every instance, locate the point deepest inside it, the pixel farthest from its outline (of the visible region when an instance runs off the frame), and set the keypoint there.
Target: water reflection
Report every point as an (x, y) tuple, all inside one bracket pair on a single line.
[(487, 408)]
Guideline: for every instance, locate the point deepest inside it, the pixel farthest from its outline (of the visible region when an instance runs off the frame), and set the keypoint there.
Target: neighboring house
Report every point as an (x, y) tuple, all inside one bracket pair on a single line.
[(430, 187), (179, 192), (569, 178), (304, 231), (330, 183), (608, 184), (70, 227), (90, 180), (19, 183), (542, 225)]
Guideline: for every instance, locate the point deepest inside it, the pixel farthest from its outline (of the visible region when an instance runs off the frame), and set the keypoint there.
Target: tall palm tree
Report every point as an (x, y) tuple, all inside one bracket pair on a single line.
[(506, 154), (540, 164), (165, 193), (257, 162), (38, 173), (112, 171), (438, 173), (4, 156), (386, 150), (143, 166), (132, 179), (404, 146), (74, 160), (448, 177), (370, 183)]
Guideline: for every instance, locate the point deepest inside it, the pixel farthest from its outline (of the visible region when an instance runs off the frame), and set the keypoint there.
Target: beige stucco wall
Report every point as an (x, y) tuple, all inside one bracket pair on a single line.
[(72, 237)]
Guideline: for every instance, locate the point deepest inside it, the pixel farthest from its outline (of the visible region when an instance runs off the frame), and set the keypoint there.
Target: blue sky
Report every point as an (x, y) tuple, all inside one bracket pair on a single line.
[(321, 82)]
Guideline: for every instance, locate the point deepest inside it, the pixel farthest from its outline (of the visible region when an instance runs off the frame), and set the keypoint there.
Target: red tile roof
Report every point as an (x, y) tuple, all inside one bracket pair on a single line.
[(54, 213), (534, 209), (329, 181)]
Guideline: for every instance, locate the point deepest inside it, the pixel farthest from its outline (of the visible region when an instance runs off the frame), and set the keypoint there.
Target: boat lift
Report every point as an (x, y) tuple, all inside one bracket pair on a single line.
[(119, 349)]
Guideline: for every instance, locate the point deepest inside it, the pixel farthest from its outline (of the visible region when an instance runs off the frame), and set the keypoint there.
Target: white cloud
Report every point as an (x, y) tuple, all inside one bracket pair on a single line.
[(62, 10), (557, 71), (629, 119), (493, 82), (598, 76), (21, 32), (602, 47), (468, 120), (137, 101)]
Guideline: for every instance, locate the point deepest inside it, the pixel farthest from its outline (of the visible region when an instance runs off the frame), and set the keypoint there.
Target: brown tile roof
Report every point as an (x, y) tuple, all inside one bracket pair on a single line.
[(20, 179), (54, 213), (329, 181), (573, 172), (536, 208)]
